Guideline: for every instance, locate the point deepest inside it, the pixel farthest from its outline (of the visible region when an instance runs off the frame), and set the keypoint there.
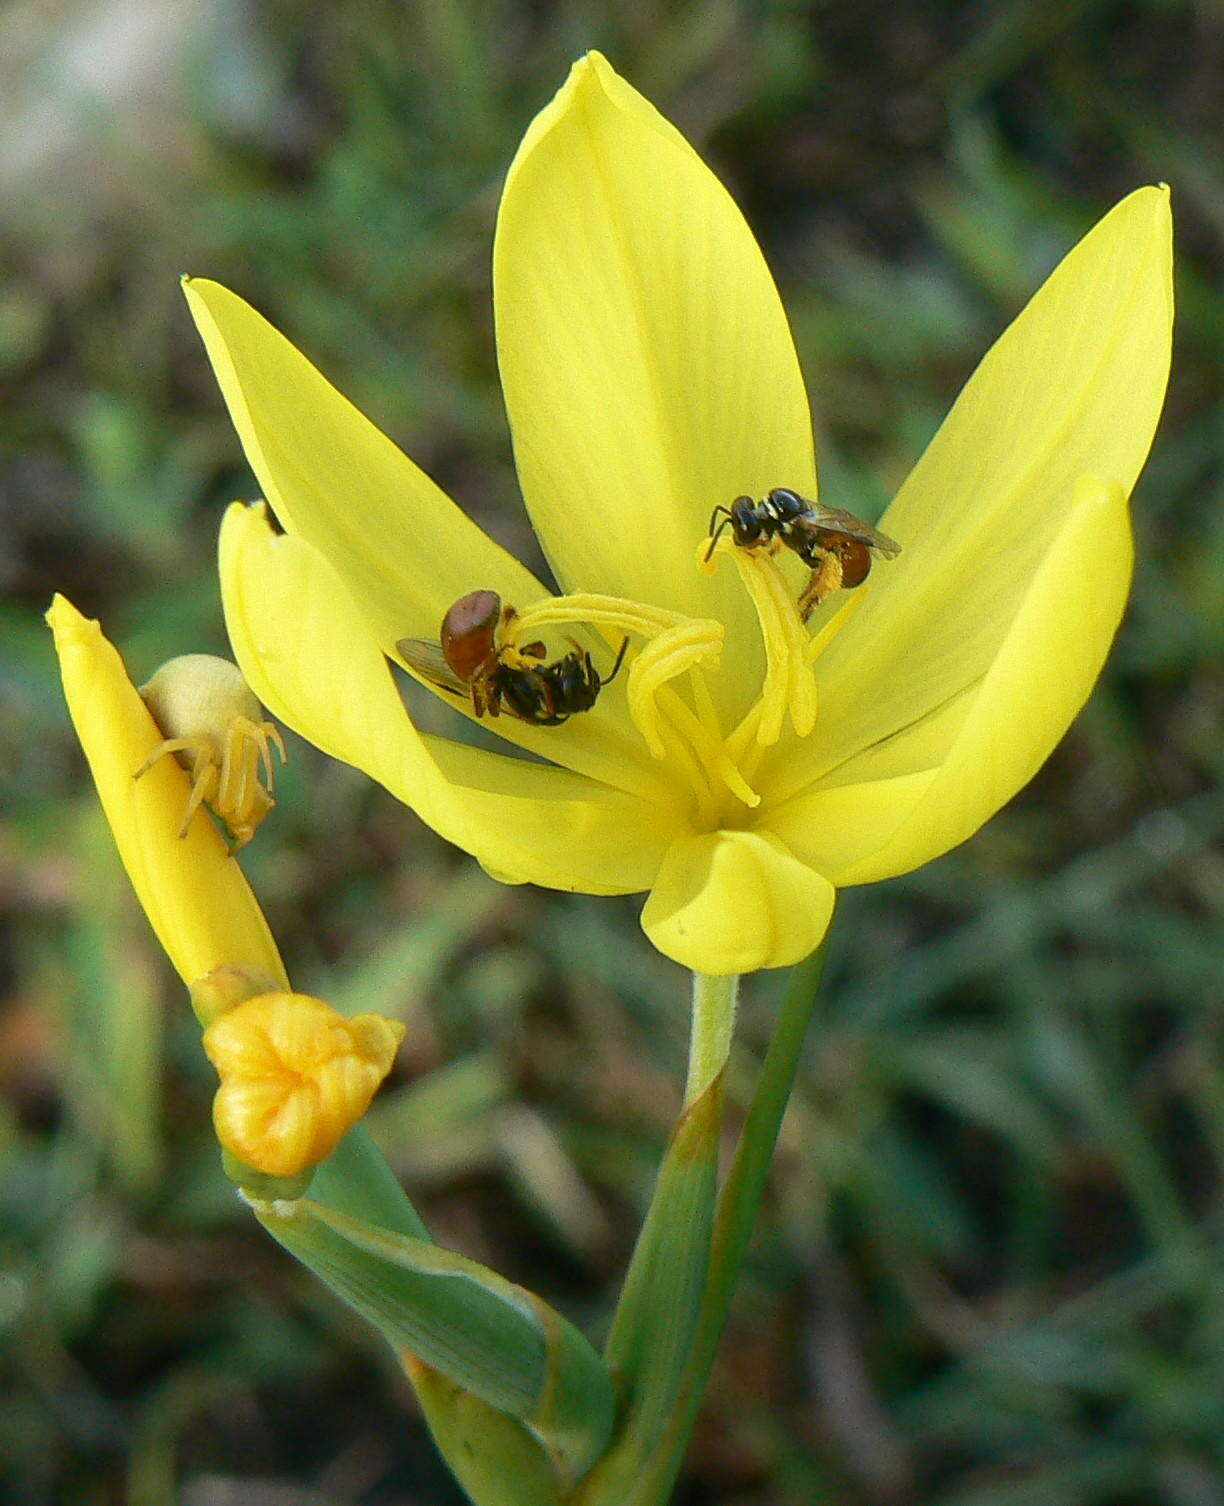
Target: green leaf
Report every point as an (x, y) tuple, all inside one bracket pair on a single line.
[(355, 1179), (480, 1331), (493, 1456)]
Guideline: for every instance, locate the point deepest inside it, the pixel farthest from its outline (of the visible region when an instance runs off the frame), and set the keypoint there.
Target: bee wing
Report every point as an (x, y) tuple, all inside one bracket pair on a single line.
[(883, 545), (845, 522), (427, 660)]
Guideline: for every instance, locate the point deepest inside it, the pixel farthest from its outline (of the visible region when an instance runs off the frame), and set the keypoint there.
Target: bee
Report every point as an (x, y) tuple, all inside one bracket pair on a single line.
[(470, 661), (836, 546)]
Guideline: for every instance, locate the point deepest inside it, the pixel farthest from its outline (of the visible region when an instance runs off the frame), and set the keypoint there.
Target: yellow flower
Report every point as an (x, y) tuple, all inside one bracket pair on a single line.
[(744, 765), (295, 1077)]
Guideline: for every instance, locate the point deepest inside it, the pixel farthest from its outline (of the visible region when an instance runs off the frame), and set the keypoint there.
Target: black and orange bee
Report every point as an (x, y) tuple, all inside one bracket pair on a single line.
[(817, 534), (469, 660)]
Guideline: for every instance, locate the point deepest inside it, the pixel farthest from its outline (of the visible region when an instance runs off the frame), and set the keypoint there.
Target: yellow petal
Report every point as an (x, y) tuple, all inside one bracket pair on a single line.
[(310, 658), (405, 550), (735, 901), (553, 827), (1074, 387), (193, 892), (1041, 676), (648, 367)]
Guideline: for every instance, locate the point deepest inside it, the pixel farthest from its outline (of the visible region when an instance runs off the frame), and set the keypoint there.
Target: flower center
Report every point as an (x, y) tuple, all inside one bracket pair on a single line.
[(667, 691)]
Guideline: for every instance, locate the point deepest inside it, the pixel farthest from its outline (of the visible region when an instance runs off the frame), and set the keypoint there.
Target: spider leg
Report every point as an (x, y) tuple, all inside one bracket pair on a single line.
[(268, 736), (170, 745), (231, 766), (259, 734), (203, 787)]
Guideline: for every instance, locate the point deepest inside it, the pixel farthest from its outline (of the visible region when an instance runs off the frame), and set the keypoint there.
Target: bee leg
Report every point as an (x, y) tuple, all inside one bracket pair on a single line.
[(826, 578)]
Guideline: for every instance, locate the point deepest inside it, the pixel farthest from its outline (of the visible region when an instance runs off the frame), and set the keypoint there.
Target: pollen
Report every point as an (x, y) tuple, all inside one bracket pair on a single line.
[(826, 577), (295, 1077), (213, 725)]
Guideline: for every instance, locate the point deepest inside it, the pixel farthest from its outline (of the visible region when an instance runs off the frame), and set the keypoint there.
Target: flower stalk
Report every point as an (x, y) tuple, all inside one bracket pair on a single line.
[(714, 1006)]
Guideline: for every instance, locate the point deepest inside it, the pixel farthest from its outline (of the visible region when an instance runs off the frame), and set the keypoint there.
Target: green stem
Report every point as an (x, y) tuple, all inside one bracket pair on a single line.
[(733, 1223), (650, 1345), (714, 1001)]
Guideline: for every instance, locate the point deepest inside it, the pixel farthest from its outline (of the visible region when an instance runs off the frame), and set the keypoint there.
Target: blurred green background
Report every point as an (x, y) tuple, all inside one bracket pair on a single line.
[(988, 1272)]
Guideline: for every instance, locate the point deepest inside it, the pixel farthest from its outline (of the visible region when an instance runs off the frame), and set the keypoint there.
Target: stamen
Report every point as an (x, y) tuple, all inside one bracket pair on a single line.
[(789, 685), (678, 749), (672, 653), (709, 746), (605, 612), (675, 645), (704, 702)]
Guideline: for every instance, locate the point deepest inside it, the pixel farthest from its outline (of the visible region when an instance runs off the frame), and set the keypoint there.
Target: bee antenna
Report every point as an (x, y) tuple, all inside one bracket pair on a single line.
[(616, 667), (716, 533)]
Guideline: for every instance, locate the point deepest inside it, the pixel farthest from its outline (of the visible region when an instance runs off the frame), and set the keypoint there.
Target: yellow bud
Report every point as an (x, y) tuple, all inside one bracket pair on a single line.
[(295, 1077), (216, 729)]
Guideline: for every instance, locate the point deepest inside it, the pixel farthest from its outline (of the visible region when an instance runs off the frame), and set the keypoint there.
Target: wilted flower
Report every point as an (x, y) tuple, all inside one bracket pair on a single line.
[(295, 1074), (295, 1077)]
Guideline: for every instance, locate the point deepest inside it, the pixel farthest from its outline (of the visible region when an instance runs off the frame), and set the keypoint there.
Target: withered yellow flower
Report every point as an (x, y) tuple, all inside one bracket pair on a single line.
[(745, 765), (295, 1077)]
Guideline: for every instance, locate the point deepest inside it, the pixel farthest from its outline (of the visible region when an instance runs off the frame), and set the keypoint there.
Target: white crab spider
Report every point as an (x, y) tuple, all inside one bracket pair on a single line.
[(217, 731)]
